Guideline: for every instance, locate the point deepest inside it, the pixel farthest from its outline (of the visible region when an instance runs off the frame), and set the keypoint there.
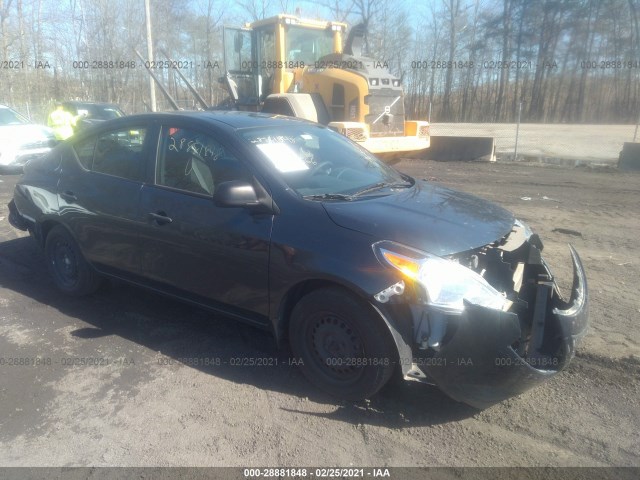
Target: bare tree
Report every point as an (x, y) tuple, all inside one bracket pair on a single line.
[(4, 34), (506, 55), (576, 60), (452, 8), (257, 9), (340, 10)]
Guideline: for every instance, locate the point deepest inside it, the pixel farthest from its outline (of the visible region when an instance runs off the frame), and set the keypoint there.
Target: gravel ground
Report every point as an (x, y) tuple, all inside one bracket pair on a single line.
[(156, 396), (581, 143)]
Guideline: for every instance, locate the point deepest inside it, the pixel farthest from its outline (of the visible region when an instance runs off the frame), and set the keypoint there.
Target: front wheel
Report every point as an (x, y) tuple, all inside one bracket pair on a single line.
[(70, 271), (346, 350)]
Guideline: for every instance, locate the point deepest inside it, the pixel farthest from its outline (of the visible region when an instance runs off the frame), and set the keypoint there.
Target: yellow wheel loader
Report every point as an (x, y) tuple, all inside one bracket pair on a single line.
[(298, 67)]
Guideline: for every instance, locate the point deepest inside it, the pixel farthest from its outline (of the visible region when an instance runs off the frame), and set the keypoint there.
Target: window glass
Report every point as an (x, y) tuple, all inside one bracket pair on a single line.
[(307, 45), (314, 160), (101, 112), (109, 113), (267, 59), (119, 153), (195, 162), (237, 44), (84, 151)]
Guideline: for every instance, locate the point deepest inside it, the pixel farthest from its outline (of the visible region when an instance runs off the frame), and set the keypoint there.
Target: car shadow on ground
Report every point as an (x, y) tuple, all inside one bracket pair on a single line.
[(176, 331)]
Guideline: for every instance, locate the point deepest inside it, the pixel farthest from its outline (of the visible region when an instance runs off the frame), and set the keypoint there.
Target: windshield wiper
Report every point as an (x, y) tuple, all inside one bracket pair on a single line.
[(380, 185), (370, 188), (328, 196)]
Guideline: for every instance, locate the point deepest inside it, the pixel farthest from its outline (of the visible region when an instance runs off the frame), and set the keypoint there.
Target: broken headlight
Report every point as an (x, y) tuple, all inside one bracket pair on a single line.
[(446, 282), (527, 230)]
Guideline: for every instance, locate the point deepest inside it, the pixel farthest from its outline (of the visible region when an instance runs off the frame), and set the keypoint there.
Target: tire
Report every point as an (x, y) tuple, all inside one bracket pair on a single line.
[(346, 350), (70, 271)]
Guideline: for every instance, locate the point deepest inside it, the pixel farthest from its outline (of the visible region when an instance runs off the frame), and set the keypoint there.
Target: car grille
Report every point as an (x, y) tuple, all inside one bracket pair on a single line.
[(378, 102)]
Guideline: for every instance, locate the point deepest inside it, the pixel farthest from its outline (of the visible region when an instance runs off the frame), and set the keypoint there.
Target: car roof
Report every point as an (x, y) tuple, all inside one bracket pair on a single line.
[(234, 119)]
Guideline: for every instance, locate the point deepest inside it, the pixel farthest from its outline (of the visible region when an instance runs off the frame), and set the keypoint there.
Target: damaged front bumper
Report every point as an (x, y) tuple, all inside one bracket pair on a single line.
[(485, 356), (481, 356)]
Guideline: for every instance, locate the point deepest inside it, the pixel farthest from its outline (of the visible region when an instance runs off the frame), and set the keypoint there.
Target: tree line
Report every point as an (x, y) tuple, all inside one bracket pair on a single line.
[(459, 60), (550, 60)]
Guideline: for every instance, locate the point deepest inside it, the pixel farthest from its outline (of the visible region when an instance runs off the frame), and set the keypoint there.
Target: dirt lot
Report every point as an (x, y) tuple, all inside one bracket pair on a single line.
[(153, 399)]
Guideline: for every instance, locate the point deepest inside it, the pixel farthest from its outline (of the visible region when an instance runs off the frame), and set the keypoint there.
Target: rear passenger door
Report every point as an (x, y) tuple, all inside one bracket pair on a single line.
[(99, 195), (192, 248)]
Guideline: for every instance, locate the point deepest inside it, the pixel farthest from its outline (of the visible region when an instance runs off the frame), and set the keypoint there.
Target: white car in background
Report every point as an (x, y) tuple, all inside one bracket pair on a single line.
[(21, 140)]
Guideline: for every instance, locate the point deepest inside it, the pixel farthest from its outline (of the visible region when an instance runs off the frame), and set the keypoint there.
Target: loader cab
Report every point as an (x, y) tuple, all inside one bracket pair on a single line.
[(268, 56)]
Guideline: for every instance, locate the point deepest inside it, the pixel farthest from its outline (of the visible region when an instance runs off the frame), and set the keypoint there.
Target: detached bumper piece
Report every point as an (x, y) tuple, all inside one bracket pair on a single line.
[(482, 356)]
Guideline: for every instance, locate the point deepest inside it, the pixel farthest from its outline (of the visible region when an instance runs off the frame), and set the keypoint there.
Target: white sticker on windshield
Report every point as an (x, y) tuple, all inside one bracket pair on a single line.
[(283, 157)]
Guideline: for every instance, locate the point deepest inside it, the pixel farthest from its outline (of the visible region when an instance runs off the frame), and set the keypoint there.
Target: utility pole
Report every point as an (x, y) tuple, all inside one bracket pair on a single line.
[(515, 150), (152, 86)]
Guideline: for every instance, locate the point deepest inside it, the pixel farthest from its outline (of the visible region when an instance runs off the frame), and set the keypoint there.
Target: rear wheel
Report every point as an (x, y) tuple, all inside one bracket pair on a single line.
[(70, 271), (345, 349)]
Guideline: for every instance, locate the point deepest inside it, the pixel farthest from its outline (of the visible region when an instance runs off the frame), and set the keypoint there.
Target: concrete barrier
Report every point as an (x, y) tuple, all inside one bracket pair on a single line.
[(629, 156), (461, 149)]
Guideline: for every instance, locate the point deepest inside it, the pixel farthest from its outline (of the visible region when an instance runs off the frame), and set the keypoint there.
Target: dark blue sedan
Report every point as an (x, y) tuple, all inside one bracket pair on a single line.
[(291, 227)]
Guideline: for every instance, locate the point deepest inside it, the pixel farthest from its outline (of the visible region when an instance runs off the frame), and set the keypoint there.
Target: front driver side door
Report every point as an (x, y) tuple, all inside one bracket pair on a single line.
[(190, 247)]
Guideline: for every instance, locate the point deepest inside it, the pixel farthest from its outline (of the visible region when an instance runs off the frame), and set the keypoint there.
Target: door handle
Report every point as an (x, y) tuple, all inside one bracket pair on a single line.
[(160, 218), (68, 196)]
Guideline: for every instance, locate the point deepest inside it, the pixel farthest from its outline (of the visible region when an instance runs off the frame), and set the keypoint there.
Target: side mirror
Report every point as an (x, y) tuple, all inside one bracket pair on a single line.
[(235, 194)]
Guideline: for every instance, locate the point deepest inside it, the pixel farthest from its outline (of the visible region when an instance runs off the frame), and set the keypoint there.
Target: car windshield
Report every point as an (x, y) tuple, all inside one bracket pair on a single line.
[(10, 117), (317, 162)]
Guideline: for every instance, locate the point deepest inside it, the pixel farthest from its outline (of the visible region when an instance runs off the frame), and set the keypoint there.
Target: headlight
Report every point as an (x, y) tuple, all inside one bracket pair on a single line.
[(447, 283)]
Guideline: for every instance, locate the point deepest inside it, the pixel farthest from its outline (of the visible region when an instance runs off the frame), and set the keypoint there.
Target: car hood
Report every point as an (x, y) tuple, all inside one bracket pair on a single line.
[(431, 218), (26, 134)]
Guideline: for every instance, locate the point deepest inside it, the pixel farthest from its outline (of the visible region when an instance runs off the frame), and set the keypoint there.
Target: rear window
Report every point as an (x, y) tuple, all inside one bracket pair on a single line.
[(104, 113), (117, 153), (99, 112)]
